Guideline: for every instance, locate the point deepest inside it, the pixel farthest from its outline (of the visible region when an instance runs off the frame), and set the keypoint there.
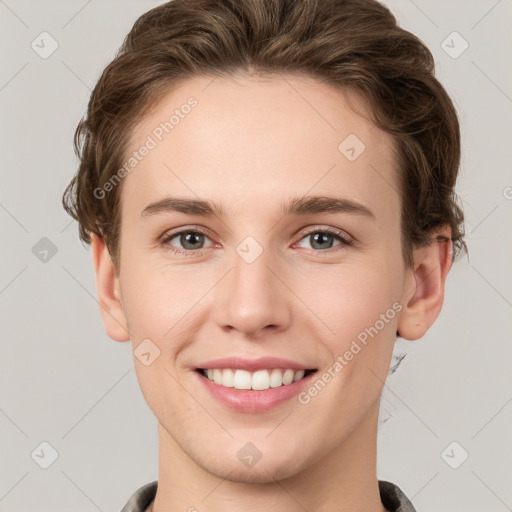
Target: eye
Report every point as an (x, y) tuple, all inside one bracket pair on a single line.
[(190, 239), (321, 239)]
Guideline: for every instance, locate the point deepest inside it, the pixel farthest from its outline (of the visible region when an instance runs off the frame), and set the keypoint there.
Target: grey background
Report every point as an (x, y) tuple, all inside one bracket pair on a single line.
[(63, 381)]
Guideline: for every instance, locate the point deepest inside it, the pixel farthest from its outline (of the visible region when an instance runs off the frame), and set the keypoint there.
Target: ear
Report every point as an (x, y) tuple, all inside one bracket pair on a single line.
[(424, 288), (107, 286)]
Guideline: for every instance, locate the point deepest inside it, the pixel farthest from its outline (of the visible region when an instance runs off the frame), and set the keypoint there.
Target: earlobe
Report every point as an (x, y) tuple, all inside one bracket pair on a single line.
[(107, 286), (424, 289)]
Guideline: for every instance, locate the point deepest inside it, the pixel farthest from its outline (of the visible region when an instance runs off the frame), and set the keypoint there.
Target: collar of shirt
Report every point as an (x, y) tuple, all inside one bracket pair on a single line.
[(392, 497)]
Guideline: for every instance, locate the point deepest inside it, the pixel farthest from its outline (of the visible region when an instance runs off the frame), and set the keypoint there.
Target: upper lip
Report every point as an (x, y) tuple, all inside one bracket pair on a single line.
[(253, 364)]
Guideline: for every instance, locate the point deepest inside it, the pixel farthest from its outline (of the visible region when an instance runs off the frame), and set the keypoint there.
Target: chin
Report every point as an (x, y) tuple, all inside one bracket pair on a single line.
[(261, 472), (256, 475)]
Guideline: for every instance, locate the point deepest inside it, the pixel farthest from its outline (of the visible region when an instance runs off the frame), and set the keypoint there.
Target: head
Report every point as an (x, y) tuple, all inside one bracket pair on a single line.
[(250, 108)]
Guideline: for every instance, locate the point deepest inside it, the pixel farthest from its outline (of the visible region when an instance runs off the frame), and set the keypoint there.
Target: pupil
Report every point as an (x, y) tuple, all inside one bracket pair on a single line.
[(187, 239), (322, 238)]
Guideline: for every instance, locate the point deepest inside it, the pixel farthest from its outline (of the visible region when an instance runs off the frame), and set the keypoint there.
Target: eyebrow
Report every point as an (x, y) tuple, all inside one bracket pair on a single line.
[(296, 206)]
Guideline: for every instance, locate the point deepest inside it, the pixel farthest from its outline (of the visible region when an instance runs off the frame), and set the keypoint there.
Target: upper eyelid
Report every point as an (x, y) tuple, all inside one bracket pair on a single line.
[(169, 235)]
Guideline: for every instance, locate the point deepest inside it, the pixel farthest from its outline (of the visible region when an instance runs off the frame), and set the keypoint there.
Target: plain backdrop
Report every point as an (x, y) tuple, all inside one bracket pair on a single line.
[(446, 413)]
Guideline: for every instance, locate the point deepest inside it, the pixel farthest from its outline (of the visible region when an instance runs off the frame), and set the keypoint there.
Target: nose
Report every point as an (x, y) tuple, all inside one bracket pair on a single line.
[(253, 297)]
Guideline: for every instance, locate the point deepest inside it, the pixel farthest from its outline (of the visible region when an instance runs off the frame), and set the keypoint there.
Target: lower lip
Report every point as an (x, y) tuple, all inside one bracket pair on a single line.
[(245, 400)]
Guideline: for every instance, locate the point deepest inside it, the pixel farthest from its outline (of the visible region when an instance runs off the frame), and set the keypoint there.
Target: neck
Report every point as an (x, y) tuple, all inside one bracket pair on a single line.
[(342, 480)]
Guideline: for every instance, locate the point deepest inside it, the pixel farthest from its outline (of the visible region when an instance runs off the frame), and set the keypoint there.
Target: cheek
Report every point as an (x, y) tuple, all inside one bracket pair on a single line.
[(166, 306), (349, 299), (156, 297), (361, 309), (338, 301)]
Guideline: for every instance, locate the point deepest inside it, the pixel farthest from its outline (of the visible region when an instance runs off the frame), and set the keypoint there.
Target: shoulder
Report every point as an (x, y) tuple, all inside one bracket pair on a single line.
[(393, 498), (141, 498)]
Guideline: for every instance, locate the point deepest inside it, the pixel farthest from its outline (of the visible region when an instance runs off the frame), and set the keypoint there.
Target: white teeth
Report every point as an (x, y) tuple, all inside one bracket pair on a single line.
[(259, 380), (228, 377), (217, 376), (298, 375), (276, 378), (242, 379), (288, 376)]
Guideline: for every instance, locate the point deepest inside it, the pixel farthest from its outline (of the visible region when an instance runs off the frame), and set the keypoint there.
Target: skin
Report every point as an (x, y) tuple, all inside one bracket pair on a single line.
[(251, 143)]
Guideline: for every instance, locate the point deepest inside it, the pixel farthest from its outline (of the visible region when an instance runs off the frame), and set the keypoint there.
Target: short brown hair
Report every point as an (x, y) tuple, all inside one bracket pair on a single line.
[(349, 44)]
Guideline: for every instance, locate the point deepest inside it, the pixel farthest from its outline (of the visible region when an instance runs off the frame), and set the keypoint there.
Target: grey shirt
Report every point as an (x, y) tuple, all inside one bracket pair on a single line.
[(391, 495)]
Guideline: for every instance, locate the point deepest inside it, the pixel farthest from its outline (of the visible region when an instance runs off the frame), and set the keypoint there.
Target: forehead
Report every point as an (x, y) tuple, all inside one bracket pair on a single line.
[(237, 141)]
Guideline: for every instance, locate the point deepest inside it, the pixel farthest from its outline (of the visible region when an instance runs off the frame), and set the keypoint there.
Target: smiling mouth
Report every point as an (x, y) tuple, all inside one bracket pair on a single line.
[(259, 380)]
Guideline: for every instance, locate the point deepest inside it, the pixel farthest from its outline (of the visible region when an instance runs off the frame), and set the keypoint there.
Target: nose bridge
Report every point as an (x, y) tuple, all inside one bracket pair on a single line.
[(251, 267), (252, 296)]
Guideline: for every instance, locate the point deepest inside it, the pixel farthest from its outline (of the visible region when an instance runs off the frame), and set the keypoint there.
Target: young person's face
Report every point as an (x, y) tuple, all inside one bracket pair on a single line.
[(250, 146)]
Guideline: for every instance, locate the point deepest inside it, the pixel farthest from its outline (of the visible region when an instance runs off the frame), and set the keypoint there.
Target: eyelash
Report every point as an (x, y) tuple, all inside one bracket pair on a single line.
[(345, 242)]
